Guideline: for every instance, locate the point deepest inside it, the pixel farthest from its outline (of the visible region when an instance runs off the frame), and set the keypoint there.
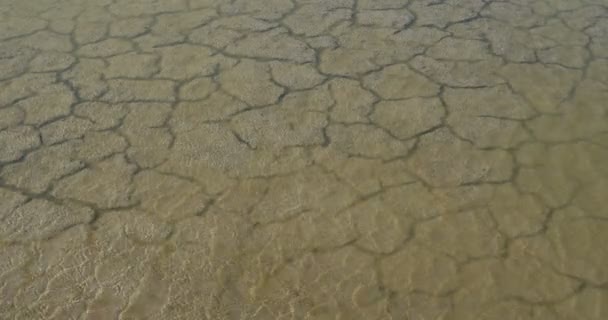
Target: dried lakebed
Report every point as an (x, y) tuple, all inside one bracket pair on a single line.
[(304, 159)]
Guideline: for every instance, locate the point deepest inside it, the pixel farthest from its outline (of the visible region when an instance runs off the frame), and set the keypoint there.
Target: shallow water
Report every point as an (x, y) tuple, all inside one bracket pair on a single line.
[(305, 159)]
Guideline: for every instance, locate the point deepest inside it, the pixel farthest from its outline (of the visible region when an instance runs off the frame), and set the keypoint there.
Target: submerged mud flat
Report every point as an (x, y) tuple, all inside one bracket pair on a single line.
[(304, 159)]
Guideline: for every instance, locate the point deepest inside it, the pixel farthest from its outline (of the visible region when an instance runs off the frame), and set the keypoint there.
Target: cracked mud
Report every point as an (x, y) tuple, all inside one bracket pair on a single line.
[(304, 159)]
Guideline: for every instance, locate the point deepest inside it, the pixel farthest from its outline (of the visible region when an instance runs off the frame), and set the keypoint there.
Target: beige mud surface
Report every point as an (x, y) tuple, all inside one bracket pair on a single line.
[(304, 159)]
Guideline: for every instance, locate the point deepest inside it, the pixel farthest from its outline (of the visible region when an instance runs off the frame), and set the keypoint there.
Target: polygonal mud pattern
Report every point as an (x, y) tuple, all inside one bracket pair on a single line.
[(304, 159)]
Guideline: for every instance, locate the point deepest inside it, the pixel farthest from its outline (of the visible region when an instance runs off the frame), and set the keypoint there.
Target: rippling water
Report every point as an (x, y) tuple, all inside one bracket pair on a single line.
[(304, 159)]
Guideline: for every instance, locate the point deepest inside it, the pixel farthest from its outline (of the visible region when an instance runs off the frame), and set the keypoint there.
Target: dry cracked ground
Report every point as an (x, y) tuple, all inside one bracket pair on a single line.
[(304, 159)]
